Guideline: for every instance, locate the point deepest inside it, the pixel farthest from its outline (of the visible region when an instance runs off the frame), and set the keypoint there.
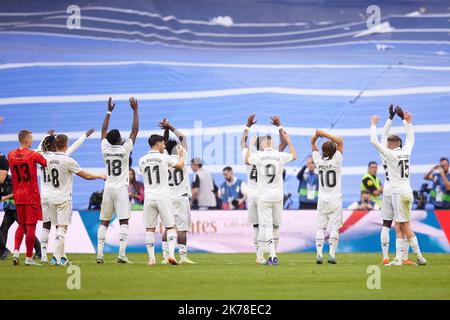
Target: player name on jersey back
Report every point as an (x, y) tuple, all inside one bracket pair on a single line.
[(329, 176), (117, 159), (61, 169), (398, 168), (269, 165), (154, 166)]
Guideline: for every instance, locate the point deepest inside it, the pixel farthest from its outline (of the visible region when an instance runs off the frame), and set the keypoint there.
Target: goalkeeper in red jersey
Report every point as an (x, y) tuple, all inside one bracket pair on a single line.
[(22, 163)]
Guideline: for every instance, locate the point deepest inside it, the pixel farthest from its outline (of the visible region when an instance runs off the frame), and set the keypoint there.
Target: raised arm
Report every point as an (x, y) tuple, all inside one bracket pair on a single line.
[(105, 124), (387, 125), (73, 147), (50, 132), (250, 149), (250, 121), (314, 142), (409, 142), (277, 122), (374, 138), (429, 174), (338, 140), (289, 143), (165, 124), (181, 158), (135, 126)]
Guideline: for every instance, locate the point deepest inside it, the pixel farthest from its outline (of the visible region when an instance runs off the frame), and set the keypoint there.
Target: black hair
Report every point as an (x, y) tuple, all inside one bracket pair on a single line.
[(443, 159), (49, 144), (227, 169), (154, 139), (170, 145), (113, 137), (372, 162)]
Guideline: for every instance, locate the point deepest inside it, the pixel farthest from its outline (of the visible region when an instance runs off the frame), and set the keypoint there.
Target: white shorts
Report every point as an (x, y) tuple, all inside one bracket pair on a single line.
[(387, 210), (115, 200), (252, 208), (45, 210), (329, 212), (182, 213), (155, 208), (269, 213), (61, 214), (402, 204)]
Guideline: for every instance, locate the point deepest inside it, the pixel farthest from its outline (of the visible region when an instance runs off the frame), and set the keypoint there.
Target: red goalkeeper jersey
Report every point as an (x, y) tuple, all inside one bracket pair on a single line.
[(22, 163)]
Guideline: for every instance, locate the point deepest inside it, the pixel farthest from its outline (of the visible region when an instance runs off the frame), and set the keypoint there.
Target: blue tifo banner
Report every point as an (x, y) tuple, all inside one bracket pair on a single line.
[(230, 232)]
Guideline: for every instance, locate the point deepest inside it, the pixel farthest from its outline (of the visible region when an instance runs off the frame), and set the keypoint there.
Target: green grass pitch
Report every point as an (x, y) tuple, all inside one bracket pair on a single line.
[(229, 276)]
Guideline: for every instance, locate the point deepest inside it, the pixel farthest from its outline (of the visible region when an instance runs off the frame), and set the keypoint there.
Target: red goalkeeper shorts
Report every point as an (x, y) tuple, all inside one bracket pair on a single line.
[(29, 213)]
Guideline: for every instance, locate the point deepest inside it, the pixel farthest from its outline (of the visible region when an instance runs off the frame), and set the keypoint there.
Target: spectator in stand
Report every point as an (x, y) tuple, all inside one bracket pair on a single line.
[(135, 191), (440, 194), (365, 203), (204, 190), (371, 183), (232, 192), (308, 189)]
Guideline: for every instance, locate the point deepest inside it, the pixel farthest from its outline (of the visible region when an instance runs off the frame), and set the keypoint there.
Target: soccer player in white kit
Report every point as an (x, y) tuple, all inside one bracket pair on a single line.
[(252, 178), (157, 203), (398, 163), (115, 194), (180, 191), (387, 210), (269, 165), (46, 148), (329, 207), (61, 168)]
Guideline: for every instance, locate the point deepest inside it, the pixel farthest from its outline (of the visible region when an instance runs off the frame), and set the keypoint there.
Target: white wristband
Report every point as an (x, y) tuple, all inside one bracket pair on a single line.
[(108, 112), (247, 128), (280, 127)]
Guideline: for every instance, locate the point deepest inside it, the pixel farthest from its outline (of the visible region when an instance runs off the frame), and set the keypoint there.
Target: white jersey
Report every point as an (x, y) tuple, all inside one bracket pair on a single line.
[(269, 165), (330, 187), (155, 169), (45, 178), (60, 168), (397, 161), (44, 175), (384, 136), (178, 180), (117, 162), (252, 177)]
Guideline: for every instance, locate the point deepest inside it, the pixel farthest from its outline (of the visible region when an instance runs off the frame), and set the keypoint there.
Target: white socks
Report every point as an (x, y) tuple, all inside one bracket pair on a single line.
[(270, 243), (101, 236), (172, 241), (320, 239), (255, 236), (123, 234), (405, 249), (59, 244), (399, 249), (44, 242), (415, 246), (182, 249), (165, 250), (261, 244), (150, 243), (384, 238), (276, 236), (334, 240)]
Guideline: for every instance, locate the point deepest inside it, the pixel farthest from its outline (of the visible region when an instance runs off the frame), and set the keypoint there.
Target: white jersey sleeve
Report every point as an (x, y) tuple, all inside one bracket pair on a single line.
[(286, 157), (252, 177), (73, 147)]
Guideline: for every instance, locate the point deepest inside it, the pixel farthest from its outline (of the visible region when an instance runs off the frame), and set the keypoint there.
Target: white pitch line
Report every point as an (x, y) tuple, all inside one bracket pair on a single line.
[(36, 64), (225, 93), (258, 129)]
